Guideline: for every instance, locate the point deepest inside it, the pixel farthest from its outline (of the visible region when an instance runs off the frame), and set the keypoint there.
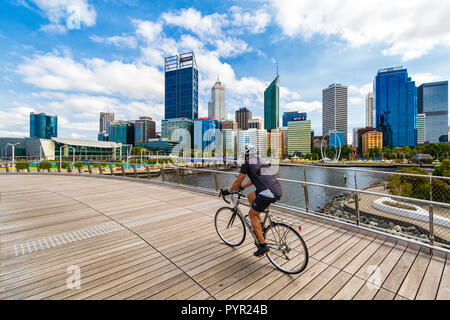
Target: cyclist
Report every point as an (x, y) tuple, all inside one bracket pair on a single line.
[(268, 190)]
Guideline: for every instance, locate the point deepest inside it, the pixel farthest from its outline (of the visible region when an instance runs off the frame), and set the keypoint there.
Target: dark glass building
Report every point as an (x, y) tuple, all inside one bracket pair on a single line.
[(121, 131), (395, 96), (181, 87), (433, 102), (272, 105), (144, 129), (43, 125), (243, 115), (293, 116)]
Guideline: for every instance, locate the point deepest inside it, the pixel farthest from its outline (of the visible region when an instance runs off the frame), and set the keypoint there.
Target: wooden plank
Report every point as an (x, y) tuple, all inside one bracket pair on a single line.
[(384, 294), (444, 287), (413, 279), (430, 283)]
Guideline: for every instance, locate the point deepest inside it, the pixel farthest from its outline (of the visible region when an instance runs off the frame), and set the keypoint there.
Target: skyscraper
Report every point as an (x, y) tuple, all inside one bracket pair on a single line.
[(121, 131), (369, 110), (216, 105), (334, 110), (144, 129), (395, 99), (299, 137), (242, 117), (181, 87), (421, 128), (43, 125), (105, 117), (272, 105), (433, 102)]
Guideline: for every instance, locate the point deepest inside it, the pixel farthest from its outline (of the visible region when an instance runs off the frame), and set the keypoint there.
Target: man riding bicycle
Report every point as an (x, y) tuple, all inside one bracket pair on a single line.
[(268, 190)]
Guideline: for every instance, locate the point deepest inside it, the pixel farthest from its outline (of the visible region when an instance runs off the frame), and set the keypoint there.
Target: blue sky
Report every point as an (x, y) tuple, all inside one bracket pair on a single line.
[(76, 58)]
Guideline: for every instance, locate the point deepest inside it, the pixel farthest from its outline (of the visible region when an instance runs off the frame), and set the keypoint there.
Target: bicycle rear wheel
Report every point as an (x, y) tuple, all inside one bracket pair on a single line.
[(229, 226), (288, 252)]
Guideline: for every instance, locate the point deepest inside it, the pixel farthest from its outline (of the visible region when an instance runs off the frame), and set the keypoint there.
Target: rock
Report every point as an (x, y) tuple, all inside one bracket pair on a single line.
[(391, 225), (397, 228), (373, 223)]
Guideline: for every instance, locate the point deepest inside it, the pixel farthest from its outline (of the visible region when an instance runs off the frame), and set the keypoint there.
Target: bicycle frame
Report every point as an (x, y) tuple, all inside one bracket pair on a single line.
[(237, 210)]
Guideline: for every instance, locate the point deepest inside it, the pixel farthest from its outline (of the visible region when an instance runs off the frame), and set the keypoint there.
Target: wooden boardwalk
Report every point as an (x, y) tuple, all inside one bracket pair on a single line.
[(145, 241)]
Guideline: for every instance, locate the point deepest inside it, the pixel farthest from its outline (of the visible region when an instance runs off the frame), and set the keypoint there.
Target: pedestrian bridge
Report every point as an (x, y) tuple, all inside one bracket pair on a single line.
[(130, 240)]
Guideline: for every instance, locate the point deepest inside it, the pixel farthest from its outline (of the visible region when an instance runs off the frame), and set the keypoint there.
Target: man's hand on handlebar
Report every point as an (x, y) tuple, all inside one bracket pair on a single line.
[(224, 192)]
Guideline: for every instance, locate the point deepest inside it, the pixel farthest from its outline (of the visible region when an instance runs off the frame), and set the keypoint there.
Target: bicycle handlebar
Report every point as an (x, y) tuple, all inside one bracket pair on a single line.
[(237, 192)]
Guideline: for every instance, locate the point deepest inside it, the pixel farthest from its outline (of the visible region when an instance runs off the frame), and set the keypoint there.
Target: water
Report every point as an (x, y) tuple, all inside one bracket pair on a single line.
[(293, 193)]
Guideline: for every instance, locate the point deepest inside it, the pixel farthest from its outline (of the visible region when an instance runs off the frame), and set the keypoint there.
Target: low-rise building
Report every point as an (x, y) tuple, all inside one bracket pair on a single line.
[(371, 140), (299, 137)]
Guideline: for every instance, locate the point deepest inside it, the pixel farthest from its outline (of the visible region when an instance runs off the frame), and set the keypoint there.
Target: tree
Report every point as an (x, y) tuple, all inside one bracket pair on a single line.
[(135, 151)]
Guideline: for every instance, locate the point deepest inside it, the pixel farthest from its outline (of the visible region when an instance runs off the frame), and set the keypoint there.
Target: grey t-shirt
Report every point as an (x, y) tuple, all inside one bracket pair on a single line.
[(252, 168)]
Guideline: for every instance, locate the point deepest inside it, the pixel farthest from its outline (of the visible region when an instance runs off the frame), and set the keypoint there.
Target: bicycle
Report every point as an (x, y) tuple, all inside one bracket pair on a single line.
[(288, 251)]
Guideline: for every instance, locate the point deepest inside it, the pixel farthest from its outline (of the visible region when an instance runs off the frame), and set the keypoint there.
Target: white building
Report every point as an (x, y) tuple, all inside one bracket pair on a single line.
[(256, 137), (216, 105), (229, 142), (421, 128), (369, 110), (255, 123), (334, 109)]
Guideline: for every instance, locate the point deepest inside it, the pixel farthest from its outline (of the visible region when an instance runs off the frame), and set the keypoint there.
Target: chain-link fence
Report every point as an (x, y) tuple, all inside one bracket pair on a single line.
[(415, 206)]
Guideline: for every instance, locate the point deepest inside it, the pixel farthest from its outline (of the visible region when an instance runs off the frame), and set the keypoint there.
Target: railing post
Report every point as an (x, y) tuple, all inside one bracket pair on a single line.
[(111, 169), (28, 167), (123, 170), (37, 168), (79, 168), (135, 170), (147, 167), (179, 175), (100, 169), (69, 169), (58, 165), (431, 214), (49, 168), (163, 174), (216, 182), (357, 212), (196, 178), (305, 191), (89, 168)]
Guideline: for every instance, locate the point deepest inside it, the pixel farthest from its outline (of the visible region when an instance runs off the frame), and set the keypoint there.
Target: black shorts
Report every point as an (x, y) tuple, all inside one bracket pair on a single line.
[(261, 203)]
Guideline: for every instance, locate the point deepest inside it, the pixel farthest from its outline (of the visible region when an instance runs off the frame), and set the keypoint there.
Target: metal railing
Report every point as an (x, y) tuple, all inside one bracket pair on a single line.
[(373, 206)]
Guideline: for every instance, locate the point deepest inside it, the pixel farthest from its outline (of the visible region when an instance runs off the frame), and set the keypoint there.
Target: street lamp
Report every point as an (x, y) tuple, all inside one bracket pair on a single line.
[(60, 156), (13, 147), (141, 153)]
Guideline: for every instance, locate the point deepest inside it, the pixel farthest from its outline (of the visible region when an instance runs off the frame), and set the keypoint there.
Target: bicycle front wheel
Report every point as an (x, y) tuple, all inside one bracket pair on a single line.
[(229, 226), (288, 252)]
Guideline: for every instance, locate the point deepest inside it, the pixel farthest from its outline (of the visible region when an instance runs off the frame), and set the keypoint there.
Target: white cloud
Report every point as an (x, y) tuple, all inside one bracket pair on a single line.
[(120, 41), (253, 22), (231, 47), (148, 30), (52, 72), (302, 106), (66, 14), (409, 29), (421, 78)]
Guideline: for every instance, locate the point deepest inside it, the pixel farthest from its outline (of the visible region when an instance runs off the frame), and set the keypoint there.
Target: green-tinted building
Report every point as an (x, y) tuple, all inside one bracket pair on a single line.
[(272, 105), (299, 137)]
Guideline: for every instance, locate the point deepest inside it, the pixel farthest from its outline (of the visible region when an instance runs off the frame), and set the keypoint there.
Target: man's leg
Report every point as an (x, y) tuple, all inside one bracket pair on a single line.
[(251, 197), (255, 217)]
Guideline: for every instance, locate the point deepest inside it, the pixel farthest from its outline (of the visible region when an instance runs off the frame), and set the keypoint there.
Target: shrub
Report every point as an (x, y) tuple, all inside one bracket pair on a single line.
[(44, 165), (21, 165)]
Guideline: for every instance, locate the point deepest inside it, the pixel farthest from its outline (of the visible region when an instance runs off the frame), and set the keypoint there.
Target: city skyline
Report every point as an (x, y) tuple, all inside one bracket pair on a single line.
[(71, 71)]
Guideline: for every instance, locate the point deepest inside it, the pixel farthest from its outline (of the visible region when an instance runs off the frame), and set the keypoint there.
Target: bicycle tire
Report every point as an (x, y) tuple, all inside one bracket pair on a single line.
[(231, 214), (270, 254)]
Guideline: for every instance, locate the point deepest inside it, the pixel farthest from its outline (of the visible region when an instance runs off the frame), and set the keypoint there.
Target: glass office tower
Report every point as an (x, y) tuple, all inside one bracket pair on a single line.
[(272, 105), (433, 103), (395, 96), (204, 133), (43, 125), (181, 87), (121, 131)]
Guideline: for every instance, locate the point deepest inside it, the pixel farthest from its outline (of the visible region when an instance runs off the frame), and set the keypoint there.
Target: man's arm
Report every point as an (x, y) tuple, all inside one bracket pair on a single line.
[(237, 183), (248, 184)]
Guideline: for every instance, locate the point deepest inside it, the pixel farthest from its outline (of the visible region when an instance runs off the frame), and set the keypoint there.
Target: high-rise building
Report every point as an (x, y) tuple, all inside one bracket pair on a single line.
[(43, 125), (433, 102), (369, 110), (181, 87), (242, 117), (144, 129), (120, 131), (275, 143), (105, 117), (293, 116), (255, 123), (299, 137), (169, 129), (355, 138), (205, 130), (395, 100), (284, 132), (256, 137), (421, 128), (360, 132), (228, 124), (229, 142), (334, 109), (371, 140), (216, 105), (272, 105)]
